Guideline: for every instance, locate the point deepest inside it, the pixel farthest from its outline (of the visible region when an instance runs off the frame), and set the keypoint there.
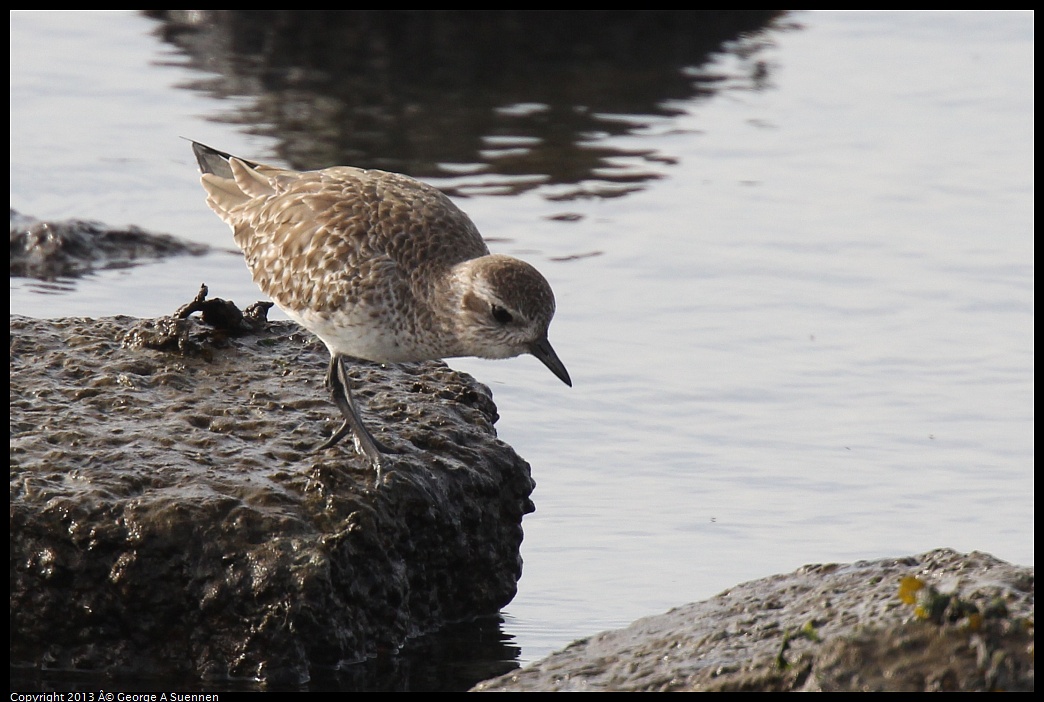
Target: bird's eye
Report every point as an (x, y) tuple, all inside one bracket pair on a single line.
[(502, 315)]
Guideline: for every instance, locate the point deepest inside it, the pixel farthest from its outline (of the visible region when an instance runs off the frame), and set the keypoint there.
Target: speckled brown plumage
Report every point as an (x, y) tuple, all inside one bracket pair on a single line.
[(379, 266)]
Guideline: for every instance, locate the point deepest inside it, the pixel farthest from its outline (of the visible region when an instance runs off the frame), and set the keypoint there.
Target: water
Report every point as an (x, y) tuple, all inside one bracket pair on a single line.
[(797, 306)]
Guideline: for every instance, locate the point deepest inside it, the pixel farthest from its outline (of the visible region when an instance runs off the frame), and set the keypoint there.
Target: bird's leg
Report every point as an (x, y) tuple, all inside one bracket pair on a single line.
[(341, 393)]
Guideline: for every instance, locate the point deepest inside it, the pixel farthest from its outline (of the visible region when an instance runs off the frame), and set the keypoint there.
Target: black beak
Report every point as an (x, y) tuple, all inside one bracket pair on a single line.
[(541, 348)]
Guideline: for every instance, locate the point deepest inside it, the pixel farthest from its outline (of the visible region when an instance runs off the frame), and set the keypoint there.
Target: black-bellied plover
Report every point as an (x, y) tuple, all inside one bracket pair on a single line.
[(379, 266)]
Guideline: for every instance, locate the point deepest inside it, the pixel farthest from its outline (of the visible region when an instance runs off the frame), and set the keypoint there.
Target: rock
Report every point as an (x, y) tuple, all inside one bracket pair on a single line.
[(48, 250), (937, 621), (170, 517)]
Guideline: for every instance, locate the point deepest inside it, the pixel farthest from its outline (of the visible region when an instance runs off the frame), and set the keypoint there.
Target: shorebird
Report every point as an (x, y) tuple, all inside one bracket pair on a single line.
[(380, 267)]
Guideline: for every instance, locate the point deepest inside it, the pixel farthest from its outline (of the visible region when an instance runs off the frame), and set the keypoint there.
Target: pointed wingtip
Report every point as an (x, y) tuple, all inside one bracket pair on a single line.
[(211, 160)]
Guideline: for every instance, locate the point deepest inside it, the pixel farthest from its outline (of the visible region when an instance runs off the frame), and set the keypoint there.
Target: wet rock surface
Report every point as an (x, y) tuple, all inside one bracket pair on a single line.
[(49, 250), (936, 621), (170, 517)]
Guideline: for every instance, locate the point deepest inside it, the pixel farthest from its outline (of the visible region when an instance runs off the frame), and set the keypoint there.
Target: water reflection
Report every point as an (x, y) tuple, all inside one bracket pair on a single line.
[(491, 102), (454, 659)]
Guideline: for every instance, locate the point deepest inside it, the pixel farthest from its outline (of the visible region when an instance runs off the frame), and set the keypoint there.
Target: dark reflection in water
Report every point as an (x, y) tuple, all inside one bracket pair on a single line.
[(502, 100), (454, 659)]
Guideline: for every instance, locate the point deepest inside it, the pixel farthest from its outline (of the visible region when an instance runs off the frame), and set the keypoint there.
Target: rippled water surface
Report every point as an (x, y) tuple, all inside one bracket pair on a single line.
[(795, 283)]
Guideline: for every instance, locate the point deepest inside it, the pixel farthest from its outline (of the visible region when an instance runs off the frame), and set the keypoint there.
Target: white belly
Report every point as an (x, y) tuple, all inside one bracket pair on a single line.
[(361, 335)]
